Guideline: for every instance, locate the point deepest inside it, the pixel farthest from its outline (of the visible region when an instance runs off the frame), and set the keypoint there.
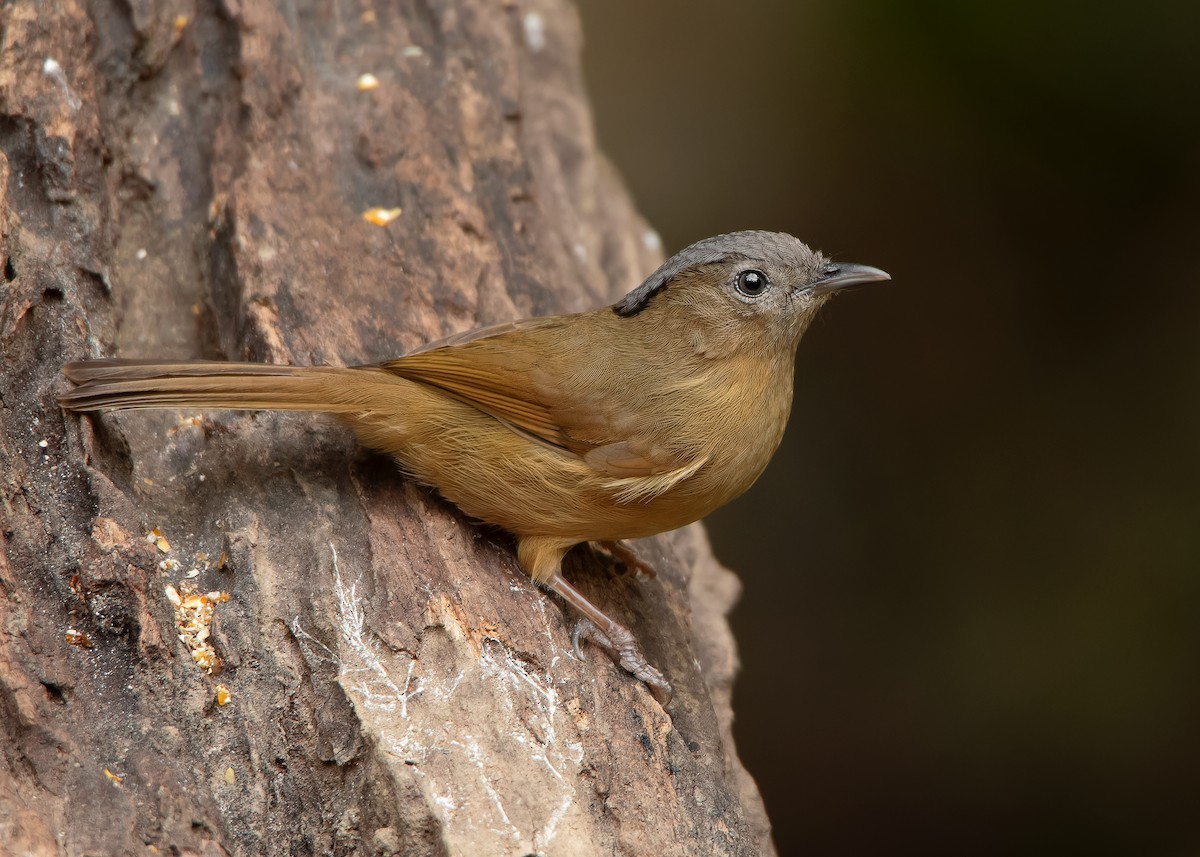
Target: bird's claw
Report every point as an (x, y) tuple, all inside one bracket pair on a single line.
[(621, 646)]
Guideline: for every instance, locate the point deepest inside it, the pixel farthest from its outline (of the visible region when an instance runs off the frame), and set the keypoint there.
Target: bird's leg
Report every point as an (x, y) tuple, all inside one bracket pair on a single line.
[(611, 636), (624, 553), (541, 557)]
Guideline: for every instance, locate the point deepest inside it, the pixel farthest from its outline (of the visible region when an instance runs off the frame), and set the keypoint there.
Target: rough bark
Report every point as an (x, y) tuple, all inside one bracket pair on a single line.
[(186, 179)]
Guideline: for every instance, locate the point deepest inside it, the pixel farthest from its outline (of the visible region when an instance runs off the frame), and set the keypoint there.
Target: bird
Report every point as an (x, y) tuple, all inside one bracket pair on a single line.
[(616, 423)]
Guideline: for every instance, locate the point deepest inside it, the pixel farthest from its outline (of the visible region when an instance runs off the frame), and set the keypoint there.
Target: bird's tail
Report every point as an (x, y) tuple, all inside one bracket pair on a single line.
[(111, 384)]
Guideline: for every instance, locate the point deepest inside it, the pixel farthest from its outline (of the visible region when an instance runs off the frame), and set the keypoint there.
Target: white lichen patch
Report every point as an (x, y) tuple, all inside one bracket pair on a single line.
[(467, 731), (535, 31)]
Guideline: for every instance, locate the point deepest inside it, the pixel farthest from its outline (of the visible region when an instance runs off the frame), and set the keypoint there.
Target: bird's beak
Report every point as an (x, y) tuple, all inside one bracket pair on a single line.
[(839, 275)]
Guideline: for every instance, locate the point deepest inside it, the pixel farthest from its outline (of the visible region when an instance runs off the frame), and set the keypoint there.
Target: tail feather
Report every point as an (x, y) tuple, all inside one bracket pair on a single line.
[(111, 384)]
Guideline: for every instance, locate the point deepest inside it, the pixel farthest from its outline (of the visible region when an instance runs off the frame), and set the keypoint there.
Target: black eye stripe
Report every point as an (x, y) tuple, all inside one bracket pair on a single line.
[(751, 282)]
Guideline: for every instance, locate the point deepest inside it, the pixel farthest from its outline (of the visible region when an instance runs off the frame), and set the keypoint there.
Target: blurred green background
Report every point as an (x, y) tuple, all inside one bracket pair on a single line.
[(970, 623)]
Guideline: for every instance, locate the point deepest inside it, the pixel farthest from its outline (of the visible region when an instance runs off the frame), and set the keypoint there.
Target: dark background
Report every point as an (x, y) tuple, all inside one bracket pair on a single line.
[(970, 623)]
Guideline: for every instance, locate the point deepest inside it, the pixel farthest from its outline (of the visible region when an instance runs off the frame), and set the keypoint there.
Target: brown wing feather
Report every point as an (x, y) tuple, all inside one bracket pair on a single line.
[(486, 380), (491, 369), (507, 371)]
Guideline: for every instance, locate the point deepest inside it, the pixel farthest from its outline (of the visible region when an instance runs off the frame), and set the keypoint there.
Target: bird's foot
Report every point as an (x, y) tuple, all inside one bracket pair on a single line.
[(611, 636), (625, 651)]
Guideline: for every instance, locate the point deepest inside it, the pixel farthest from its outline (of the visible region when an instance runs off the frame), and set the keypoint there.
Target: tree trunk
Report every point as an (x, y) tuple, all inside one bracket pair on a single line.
[(187, 179)]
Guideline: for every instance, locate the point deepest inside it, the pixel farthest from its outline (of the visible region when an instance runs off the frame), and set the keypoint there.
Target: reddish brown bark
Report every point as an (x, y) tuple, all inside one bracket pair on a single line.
[(187, 179)]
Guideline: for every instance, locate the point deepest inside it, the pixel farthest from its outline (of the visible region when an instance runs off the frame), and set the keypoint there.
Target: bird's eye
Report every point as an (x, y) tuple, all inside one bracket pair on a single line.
[(752, 283)]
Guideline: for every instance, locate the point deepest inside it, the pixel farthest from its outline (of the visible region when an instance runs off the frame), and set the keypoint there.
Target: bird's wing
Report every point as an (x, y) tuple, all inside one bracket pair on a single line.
[(507, 371)]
